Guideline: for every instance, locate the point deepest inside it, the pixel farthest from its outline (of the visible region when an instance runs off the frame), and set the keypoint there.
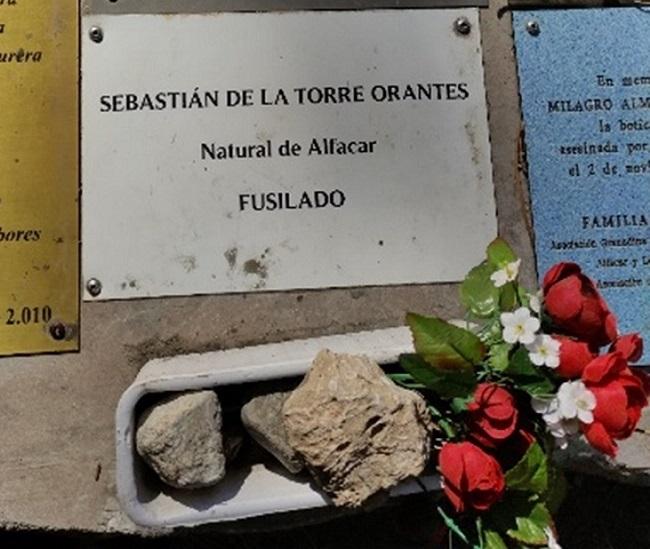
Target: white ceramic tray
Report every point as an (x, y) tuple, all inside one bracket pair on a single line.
[(260, 489)]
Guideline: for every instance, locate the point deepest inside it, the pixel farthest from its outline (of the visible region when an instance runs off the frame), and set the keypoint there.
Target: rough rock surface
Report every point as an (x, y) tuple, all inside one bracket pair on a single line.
[(262, 417), (180, 438), (357, 431)]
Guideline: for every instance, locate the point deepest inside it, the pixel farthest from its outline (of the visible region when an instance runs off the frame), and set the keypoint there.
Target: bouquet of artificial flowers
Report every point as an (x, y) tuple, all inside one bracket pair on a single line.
[(522, 374)]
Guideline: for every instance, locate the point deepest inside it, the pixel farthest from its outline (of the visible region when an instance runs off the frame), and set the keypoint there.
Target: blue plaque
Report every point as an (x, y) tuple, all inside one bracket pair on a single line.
[(585, 91)]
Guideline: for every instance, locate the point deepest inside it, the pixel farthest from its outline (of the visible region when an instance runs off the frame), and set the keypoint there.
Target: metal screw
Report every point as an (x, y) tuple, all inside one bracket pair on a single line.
[(533, 28), (58, 331), (94, 287), (462, 26), (96, 34)]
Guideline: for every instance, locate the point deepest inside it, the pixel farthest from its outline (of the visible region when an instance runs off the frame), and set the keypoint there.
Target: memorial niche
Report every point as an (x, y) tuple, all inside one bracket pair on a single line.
[(485, 400)]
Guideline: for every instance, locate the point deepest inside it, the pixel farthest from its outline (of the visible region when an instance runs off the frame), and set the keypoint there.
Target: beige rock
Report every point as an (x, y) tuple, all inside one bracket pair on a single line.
[(262, 417), (357, 431), (180, 438)]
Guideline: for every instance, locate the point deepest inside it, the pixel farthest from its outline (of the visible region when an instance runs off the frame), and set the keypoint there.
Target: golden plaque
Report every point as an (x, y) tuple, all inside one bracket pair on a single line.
[(39, 176)]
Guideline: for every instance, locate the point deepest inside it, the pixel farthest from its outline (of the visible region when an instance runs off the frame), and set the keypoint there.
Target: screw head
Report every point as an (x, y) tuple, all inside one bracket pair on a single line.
[(96, 34), (533, 28), (94, 287), (462, 26), (58, 331)]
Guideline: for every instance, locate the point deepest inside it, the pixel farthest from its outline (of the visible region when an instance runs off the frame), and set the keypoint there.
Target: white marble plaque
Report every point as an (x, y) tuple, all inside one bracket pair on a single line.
[(270, 151)]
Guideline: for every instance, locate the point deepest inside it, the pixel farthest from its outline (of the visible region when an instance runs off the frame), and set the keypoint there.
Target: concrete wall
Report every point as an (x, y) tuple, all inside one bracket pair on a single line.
[(56, 412)]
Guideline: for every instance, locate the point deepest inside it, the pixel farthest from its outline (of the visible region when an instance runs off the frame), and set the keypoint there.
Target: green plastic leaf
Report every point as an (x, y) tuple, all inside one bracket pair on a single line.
[(530, 474), (446, 383), (493, 540), (498, 356), (479, 532), (478, 293), (445, 345), (524, 296), (447, 427), (508, 297), (459, 404), (530, 529), (499, 253), (406, 380), (520, 364), (522, 517), (557, 489), (526, 375)]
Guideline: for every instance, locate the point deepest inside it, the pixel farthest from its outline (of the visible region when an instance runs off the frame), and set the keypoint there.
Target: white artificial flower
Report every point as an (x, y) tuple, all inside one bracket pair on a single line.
[(563, 430), (535, 302), (576, 401), (509, 273), (519, 326), (558, 426), (544, 351), (551, 540), (547, 407)]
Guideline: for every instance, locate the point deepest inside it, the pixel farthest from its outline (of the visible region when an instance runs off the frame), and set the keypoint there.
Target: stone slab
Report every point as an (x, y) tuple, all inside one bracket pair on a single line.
[(585, 79), (339, 149)]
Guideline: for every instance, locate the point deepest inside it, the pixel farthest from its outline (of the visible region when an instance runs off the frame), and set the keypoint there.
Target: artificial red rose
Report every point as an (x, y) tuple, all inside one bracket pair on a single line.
[(492, 415), (574, 357), (630, 346), (620, 397), (472, 478), (575, 306)]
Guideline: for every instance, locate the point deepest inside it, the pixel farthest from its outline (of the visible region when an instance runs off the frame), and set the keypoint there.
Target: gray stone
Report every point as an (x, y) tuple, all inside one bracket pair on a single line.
[(358, 433), (180, 438), (262, 417)]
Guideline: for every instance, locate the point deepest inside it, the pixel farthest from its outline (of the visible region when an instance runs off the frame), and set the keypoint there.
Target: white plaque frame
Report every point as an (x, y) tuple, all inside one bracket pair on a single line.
[(158, 219)]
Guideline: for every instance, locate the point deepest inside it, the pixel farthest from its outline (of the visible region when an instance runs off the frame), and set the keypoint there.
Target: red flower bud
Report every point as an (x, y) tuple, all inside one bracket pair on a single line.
[(630, 346), (620, 397), (492, 415), (472, 478), (574, 357), (575, 306)]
